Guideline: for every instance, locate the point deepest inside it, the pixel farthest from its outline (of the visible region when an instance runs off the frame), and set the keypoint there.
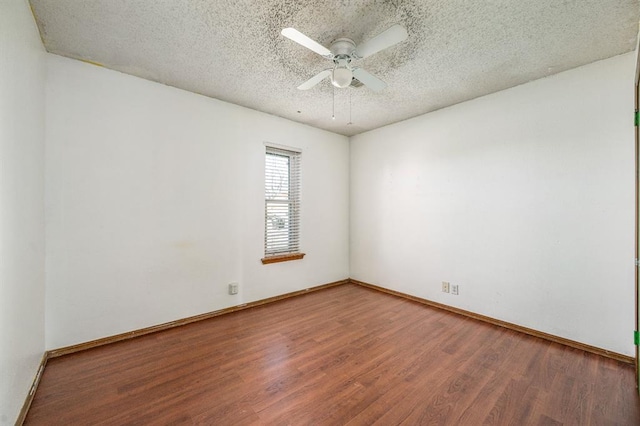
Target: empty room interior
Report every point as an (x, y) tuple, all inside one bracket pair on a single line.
[(317, 212)]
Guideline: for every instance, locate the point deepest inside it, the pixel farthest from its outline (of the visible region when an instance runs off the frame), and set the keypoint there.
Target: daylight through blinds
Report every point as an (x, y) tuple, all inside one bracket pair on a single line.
[(282, 202)]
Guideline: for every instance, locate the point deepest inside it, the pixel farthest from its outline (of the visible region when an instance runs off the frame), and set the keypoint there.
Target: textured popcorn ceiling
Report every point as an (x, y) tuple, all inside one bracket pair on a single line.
[(232, 50)]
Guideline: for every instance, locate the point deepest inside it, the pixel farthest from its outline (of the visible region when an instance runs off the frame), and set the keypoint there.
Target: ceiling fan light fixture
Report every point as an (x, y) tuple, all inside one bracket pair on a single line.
[(342, 52), (341, 77)]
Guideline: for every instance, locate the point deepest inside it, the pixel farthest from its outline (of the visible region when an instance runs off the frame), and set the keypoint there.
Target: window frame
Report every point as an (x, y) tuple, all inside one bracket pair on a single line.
[(292, 251)]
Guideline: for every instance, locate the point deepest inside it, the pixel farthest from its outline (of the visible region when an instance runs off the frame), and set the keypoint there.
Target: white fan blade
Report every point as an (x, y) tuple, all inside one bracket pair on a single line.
[(387, 38), (369, 80), (314, 80), (298, 37)]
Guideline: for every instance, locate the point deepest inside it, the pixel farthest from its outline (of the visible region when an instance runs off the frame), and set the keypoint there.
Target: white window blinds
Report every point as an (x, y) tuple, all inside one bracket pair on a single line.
[(282, 202)]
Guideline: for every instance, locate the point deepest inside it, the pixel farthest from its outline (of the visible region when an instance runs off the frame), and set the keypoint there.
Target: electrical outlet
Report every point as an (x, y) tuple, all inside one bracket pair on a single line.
[(454, 289), (445, 287), (233, 288)]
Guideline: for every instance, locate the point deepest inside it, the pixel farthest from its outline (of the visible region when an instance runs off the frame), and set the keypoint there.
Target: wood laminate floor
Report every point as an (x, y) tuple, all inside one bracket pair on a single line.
[(346, 355)]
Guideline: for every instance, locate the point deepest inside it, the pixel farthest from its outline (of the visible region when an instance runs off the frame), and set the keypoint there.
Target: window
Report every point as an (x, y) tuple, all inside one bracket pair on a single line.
[(282, 206)]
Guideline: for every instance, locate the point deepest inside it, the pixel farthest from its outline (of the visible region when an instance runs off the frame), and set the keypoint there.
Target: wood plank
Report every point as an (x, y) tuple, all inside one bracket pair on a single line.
[(343, 355)]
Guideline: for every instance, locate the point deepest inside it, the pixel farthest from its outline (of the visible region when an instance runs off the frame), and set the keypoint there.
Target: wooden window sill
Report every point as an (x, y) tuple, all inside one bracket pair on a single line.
[(282, 258)]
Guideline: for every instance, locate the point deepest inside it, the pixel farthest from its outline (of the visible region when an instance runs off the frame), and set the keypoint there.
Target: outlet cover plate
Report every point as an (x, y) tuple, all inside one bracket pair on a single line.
[(233, 288)]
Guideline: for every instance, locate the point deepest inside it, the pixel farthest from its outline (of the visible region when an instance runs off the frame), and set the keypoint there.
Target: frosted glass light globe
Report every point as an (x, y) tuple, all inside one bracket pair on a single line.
[(341, 77)]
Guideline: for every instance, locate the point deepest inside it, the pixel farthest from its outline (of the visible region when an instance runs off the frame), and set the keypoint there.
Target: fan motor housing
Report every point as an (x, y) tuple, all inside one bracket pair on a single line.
[(343, 47)]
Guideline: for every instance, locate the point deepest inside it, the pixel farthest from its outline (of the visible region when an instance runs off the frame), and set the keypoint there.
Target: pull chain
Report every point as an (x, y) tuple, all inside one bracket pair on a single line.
[(333, 99), (349, 123)]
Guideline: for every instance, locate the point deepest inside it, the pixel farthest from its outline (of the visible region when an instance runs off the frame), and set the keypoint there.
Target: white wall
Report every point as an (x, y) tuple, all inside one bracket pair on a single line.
[(22, 77), (155, 202), (523, 198)]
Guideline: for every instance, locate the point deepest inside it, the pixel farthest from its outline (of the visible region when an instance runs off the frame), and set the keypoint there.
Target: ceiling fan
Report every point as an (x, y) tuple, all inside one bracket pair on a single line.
[(343, 52)]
